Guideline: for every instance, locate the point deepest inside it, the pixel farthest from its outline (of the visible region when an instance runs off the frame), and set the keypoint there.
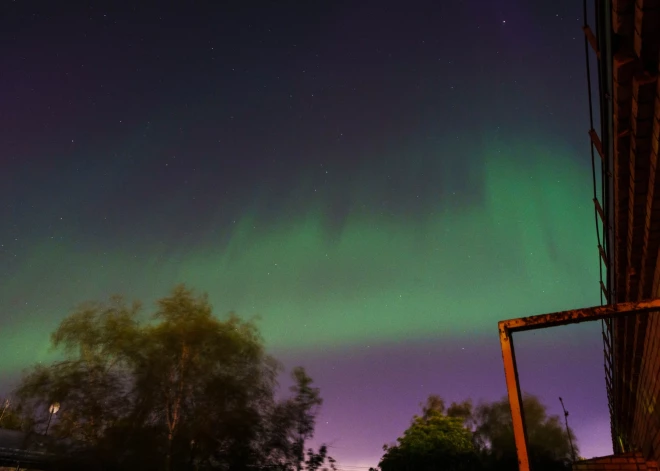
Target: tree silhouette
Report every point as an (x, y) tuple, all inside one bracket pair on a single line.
[(182, 390), (549, 446), (432, 440), (462, 437)]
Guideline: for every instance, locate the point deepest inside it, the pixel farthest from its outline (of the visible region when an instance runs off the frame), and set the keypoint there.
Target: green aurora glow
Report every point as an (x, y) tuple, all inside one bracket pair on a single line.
[(526, 247)]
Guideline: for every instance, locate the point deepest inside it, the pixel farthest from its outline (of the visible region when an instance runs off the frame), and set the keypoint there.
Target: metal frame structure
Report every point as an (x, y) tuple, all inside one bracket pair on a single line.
[(508, 327), (10, 457)]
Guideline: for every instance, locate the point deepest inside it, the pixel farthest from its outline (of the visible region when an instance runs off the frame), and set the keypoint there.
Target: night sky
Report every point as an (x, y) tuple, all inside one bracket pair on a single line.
[(379, 181)]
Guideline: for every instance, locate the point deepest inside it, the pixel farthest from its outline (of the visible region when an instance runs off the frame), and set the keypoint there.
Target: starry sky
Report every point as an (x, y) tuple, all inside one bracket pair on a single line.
[(379, 181)]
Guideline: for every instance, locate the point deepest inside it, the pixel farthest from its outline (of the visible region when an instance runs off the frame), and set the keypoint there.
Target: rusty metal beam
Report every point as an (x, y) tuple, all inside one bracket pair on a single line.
[(595, 140), (515, 397), (604, 290), (603, 255), (599, 209), (591, 37), (508, 327), (576, 316)]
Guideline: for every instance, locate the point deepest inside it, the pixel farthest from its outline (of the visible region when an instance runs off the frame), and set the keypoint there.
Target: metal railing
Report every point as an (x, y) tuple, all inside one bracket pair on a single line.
[(507, 328), (25, 458)]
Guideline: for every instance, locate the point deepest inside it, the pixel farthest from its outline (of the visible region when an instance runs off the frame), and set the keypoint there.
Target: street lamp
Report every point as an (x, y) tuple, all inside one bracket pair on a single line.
[(54, 407)]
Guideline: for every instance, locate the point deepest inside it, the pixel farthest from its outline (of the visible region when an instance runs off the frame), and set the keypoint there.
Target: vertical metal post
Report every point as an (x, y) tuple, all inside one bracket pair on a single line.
[(50, 417), (575, 316), (515, 398), (568, 431)]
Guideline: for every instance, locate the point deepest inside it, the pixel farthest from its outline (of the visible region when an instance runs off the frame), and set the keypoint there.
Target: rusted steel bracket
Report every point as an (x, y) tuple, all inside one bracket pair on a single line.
[(599, 209), (603, 255), (507, 328), (604, 290), (591, 37), (595, 140)]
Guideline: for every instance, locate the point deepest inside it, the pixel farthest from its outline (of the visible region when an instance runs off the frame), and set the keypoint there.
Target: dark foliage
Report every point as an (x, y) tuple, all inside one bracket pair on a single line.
[(463, 438), (184, 391)]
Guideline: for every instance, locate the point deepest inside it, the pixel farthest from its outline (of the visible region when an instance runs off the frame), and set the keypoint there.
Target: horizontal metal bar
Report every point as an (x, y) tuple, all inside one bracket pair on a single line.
[(18, 451), (576, 316)]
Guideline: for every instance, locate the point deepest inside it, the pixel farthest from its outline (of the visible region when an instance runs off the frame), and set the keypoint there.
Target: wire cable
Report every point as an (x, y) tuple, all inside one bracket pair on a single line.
[(605, 246), (591, 144)]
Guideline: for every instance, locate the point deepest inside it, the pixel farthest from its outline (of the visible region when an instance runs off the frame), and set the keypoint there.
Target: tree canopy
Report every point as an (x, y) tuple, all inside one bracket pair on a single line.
[(183, 390), (463, 437), (9, 419), (432, 439), (549, 446)]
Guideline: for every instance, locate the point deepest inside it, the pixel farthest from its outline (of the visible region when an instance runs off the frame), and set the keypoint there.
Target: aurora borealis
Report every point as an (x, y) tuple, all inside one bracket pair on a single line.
[(377, 194), (316, 288)]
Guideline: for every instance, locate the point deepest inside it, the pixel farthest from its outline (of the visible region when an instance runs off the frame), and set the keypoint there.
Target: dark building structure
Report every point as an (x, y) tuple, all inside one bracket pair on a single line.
[(633, 343), (622, 50)]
